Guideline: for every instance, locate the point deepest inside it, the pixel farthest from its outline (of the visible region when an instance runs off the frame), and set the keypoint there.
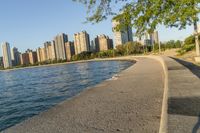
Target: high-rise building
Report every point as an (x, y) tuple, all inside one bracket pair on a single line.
[(6, 55), (50, 50), (77, 45), (93, 46), (1, 61), (47, 48), (103, 43), (154, 37), (39, 54), (43, 54), (151, 38), (15, 55), (60, 41), (122, 36), (53, 49), (69, 50), (81, 42), (24, 59), (32, 56)]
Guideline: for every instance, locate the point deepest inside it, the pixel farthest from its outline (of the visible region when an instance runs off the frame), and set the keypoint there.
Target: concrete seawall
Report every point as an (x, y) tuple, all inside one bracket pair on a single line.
[(130, 102)]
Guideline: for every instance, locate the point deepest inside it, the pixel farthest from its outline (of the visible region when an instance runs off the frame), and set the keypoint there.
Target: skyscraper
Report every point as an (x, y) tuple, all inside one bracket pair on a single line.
[(148, 39), (24, 59), (53, 49), (60, 41), (6, 55), (50, 50), (123, 36), (69, 50), (93, 46), (151, 38), (81, 42), (1, 61), (103, 43), (47, 48), (154, 37), (15, 55), (32, 56), (41, 54)]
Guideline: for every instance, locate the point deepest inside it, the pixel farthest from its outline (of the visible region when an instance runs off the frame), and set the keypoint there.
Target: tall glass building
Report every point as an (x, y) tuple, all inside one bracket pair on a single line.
[(7, 60)]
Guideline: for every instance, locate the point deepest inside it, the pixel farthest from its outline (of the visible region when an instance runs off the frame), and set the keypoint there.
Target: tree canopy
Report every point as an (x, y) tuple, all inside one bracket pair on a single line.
[(144, 15)]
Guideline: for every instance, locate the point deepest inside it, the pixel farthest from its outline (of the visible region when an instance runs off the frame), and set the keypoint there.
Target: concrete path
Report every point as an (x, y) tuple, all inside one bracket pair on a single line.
[(183, 97), (129, 104)]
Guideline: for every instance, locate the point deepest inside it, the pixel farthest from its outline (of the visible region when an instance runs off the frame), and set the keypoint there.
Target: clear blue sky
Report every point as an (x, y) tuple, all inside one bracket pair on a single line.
[(28, 23)]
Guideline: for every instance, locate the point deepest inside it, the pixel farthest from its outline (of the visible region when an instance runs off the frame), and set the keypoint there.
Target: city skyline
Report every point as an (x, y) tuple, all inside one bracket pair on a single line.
[(58, 49), (31, 28)]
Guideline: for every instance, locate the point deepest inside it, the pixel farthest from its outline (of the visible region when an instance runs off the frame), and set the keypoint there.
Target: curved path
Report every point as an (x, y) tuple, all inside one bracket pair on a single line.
[(131, 102)]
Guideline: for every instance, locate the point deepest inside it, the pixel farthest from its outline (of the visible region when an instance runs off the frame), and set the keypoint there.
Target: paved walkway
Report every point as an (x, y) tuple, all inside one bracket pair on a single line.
[(183, 97), (131, 103)]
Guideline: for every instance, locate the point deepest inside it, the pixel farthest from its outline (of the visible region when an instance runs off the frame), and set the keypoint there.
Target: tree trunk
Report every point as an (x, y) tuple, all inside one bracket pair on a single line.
[(196, 38), (159, 47)]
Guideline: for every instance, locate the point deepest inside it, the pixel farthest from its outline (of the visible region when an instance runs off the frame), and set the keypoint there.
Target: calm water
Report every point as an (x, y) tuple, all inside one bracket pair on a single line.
[(27, 92)]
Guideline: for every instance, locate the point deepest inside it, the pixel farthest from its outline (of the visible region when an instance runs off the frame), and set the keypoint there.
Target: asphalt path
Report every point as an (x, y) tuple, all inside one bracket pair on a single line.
[(129, 103)]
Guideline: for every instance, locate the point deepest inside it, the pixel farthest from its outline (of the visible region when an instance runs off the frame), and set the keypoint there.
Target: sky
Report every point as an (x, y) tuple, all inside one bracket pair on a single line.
[(29, 23)]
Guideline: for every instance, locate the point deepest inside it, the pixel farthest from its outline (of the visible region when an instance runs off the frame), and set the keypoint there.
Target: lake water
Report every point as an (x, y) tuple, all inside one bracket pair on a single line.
[(27, 92)]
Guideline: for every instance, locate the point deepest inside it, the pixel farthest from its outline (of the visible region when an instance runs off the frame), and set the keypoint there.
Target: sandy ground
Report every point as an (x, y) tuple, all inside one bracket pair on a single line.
[(189, 56)]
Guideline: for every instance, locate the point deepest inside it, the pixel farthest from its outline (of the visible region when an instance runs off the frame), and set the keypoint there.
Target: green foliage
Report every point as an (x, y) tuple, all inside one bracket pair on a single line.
[(129, 49), (189, 40), (83, 56), (1, 68), (106, 54), (133, 48), (186, 48), (156, 47), (172, 44), (145, 15), (121, 50), (189, 45)]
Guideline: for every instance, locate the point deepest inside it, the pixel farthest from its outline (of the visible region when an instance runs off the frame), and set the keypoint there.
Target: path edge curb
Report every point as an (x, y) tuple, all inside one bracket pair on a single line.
[(164, 114)]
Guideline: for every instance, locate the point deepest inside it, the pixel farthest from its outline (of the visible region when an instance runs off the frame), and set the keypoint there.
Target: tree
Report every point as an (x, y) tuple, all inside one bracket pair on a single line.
[(189, 40), (133, 48), (146, 15), (83, 56)]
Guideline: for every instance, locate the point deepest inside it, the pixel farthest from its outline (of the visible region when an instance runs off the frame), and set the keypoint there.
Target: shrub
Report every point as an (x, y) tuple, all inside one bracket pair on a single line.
[(83, 56), (186, 48), (189, 45)]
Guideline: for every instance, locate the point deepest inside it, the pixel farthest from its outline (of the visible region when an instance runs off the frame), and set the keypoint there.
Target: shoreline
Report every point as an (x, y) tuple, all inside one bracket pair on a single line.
[(96, 90), (98, 103), (72, 62)]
